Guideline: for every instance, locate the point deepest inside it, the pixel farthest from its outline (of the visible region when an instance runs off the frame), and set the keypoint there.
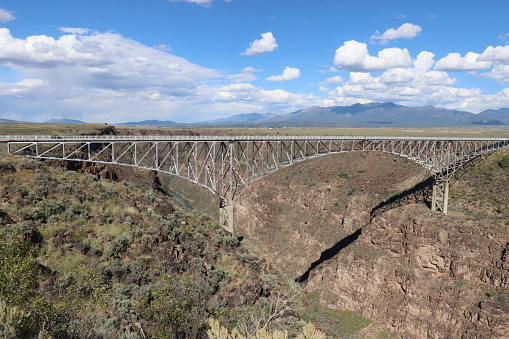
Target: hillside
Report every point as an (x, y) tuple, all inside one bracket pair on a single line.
[(379, 114), (84, 257), (64, 121), (149, 123), (500, 115), (243, 118), (7, 120)]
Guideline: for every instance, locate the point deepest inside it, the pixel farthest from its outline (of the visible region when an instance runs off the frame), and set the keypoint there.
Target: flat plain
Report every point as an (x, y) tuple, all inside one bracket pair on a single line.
[(78, 129)]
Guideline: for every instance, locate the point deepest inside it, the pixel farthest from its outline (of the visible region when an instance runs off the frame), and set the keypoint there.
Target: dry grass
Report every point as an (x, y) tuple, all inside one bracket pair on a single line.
[(487, 132), (15, 128), (74, 129)]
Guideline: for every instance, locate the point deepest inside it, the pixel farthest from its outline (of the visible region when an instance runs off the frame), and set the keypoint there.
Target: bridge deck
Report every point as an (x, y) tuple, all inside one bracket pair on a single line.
[(13, 138)]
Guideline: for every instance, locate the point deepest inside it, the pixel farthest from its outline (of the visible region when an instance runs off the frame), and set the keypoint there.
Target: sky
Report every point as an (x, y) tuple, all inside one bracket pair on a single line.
[(196, 60)]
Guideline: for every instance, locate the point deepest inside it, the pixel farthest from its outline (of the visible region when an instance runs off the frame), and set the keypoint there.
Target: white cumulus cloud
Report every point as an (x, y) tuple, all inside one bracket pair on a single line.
[(504, 37), (353, 56), (289, 73), (332, 80), (454, 62), (6, 15), (95, 74), (102, 60), (266, 44), (499, 54), (499, 73), (268, 100), (163, 47), (205, 3), (26, 86), (250, 69), (74, 30), (406, 31), (245, 75), (398, 75), (417, 85), (240, 91)]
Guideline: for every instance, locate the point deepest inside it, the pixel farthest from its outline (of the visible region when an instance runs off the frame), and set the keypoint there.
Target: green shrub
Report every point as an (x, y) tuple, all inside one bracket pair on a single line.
[(18, 269), (20, 190), (28, 230), (45, 184), (177, 307), (230, 241), (343, 175), (249, 259), (123, 299), (16, 322), (117, 247), (109, 193), (44, 210), (216, 276), (268, 281), (504, 162), (31, 164)]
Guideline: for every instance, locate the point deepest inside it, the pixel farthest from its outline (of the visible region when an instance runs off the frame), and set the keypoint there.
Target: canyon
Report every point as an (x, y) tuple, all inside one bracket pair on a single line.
[(356, 232), (421, 274)]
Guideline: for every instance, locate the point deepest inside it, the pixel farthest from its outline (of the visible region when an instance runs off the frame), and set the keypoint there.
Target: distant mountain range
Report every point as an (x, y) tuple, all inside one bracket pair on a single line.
[(242, 118), (64, 121), (149, 123), (373, 114), (7, 120)]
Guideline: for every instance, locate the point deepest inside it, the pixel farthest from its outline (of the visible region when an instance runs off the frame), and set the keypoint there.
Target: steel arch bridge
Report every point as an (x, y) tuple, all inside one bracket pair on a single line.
[(228, 164)]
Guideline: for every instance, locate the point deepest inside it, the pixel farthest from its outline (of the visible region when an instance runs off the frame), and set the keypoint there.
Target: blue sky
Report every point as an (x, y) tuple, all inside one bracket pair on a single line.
[(195, 60)]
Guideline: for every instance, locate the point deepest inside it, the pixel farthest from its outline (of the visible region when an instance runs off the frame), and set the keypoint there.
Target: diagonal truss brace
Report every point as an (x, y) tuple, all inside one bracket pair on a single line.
[(226, 165)]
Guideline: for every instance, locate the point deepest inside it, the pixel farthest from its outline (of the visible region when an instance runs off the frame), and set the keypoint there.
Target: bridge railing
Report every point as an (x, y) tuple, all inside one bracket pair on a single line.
[(58, 138)]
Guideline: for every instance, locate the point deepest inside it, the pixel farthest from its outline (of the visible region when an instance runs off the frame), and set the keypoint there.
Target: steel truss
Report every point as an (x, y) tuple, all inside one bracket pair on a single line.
[(226, 165)]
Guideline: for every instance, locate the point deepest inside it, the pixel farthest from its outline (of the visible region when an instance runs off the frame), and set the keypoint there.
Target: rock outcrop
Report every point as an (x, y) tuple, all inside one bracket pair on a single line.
[(420, 273)]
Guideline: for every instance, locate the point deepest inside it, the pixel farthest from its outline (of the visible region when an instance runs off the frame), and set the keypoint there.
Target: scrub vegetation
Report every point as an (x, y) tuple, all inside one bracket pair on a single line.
[(87, 258)]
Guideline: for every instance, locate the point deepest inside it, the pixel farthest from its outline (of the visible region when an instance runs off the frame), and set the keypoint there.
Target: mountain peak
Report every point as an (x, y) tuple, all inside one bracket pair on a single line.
[(387, 105), (354, 109), (376, 114), (150, 123), (243, 118), (64, 121)]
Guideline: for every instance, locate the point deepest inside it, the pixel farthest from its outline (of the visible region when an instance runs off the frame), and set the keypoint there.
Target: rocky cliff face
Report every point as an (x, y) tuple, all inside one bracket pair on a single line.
[(420, 273), (139, 176), (426, 276)]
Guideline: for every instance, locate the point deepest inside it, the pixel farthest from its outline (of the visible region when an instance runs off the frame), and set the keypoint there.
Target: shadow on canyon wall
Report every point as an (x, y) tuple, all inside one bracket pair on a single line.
[(419, 193)]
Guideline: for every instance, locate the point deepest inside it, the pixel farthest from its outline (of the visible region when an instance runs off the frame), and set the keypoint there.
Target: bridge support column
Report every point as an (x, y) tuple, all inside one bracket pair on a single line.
[(440, 198), (226, 215)]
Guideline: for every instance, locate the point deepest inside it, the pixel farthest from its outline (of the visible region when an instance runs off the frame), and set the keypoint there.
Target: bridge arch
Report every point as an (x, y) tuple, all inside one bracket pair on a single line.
[(226, 165)]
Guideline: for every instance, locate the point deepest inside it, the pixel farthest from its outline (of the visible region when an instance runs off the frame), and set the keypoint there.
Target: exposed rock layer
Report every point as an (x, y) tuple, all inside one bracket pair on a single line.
[(421, 273)]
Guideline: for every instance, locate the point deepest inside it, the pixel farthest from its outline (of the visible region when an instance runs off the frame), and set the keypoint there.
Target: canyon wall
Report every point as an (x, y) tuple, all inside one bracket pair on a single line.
[(421, 274)]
